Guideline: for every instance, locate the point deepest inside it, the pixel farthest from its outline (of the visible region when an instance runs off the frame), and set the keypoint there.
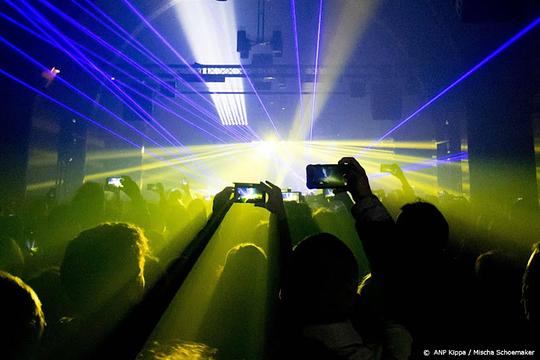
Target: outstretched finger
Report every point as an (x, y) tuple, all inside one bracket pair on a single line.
[(353, 165), (267, 188), (273, 186), (348, 160)]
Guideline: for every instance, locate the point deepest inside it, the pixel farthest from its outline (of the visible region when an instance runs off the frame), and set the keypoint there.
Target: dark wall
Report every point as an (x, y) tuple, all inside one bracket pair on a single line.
[(15, 124), (500, 132)]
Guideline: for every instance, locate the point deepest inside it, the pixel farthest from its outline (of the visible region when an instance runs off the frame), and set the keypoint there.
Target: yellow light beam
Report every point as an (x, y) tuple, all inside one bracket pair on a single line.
[(341, 35)]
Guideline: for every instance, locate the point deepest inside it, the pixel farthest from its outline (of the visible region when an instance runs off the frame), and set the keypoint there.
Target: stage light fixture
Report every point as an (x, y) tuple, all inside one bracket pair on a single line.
[(122, 33), (218, 27)]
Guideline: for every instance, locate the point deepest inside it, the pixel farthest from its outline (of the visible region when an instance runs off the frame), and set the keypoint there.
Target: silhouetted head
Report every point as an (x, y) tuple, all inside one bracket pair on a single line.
[(245, 263), (102, 262), (323, 279), (491, 268), (531, 288), (175, 196), (90, 193), (423, 228), (496, 270), (22, 321), (236, 315)]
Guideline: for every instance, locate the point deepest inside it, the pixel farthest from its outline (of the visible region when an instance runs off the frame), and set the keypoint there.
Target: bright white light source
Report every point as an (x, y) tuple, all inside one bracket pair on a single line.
[(269, 147), (210, 29)]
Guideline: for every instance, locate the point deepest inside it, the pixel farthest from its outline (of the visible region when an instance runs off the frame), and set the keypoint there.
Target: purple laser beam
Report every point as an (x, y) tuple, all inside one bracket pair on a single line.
[(297, 53), (487, 59), (148, 119), (314, 98)]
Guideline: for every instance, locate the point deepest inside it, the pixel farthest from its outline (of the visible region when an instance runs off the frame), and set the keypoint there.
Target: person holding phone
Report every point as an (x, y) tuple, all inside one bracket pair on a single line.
[(316, 292), (417, 281)]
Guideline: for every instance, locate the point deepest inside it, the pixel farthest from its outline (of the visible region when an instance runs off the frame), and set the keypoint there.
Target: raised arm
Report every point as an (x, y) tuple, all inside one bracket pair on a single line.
[(374, 224), (130, 335), (408, 191), (275, 205), (138, 211)]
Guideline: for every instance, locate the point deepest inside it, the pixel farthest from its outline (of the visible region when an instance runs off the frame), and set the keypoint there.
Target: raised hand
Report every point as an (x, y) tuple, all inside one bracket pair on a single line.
[(274, 203), (357, 180), (130, 188), (396, 171), (222, 198)]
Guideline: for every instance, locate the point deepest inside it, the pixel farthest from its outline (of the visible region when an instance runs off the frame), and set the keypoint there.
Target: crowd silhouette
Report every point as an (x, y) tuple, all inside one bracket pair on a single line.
[(363, 274)]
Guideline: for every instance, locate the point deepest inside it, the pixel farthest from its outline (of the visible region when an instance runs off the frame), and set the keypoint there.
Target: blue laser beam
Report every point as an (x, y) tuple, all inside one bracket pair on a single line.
[(261, 102), (147, 53), (86, 118), (79, 92), (121, 71), (92, 68), (297, 53), (314, 98), (167, 109), (467, 74), (163, 40), (95, 103), (99, 105), (130, 61), (202, 37)]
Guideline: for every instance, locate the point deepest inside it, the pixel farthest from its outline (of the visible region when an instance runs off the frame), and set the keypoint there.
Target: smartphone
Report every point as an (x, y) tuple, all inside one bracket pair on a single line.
[(114, 182), (249, 193), (325, 176), (291, 196), (386, 168)]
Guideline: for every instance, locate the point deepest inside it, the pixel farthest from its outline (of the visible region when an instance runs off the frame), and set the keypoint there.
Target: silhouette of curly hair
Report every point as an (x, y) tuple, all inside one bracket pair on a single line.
[(22, 322)]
